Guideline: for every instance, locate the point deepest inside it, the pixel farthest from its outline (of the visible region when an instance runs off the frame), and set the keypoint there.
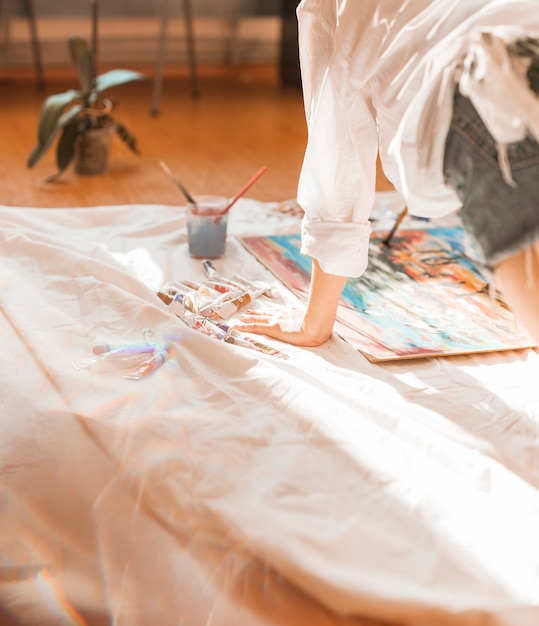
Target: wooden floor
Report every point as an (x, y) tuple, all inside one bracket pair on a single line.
[(243, 119)]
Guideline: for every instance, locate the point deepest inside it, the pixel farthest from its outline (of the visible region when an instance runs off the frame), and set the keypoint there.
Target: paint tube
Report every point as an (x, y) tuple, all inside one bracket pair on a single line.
[(112, 350), (195, 322), (256, 285), (238, 280), (180, 302), (232, 337), (224, 310), (109, 357), (213, 329), (204, 292), (165, 297), (118, 351), (214, 276), (239, 339), (224, 332), (210, 270), (188, 285), (147, 366), (223, 287)]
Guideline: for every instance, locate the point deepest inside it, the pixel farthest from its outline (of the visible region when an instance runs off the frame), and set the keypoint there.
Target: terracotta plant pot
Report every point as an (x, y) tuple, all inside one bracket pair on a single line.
[(92, 151)]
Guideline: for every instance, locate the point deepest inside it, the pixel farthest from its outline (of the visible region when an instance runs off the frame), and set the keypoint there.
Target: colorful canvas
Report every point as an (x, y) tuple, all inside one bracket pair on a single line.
[(421, 296)]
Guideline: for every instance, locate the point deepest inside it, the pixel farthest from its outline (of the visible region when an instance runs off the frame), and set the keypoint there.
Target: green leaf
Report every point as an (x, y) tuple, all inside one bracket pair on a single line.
[(83, 62), (127, 137), (52, 110), (65, 150), (113, 78), (51, 131)]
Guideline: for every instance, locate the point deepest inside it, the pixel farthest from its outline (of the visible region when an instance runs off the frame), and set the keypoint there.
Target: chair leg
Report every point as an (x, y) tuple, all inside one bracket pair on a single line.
[(160, 60), (188, 14), (36, 51), (4, 26)]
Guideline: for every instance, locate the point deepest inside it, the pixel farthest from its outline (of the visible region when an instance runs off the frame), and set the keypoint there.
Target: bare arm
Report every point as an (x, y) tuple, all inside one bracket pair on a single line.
[(518, 278), (311, 327)]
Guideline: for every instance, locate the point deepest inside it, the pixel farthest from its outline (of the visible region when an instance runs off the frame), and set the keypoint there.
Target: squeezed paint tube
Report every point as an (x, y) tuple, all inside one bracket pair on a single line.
[(110, 357), (210, 270), (213, 275), (238, 280), (119, 351), (222, 306), (221, 298), (253, 345), (188, 284), (223, 287), (147, 366), (172, 289), (239, 339), (180, 302), (223, 310), (205, 293), (220, 333), (195, 322), (150, 341), (224, 332), (201, 294), (213, 329), (256, 285)]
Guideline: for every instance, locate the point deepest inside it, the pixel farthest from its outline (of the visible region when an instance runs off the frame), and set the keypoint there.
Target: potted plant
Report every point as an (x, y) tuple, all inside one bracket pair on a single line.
[(82, 117)]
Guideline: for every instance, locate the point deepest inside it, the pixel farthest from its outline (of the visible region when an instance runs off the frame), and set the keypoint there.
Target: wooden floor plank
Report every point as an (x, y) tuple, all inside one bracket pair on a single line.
[(243, 119)]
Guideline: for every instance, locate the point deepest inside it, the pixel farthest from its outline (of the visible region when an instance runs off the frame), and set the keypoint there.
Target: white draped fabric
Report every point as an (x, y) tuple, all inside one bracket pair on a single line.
[(231, 487)]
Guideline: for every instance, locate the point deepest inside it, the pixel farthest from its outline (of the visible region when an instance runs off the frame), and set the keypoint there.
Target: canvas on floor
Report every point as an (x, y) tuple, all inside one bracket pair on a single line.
[(421, 296)]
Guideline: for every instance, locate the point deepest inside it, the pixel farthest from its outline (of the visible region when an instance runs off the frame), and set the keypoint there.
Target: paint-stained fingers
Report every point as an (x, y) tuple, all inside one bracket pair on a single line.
[(258, 317), (274, 314), (283, 324), (266, 312), (259, 320)]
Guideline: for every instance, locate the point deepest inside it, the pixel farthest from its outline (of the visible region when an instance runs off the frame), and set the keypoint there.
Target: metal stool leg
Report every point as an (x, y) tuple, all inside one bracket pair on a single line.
[(160, 60), (36, 51), (195, 92), (4, 24)]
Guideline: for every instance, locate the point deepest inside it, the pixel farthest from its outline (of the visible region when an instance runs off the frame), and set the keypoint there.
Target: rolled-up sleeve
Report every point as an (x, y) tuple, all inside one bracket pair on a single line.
[(338, 177), (341, 248)]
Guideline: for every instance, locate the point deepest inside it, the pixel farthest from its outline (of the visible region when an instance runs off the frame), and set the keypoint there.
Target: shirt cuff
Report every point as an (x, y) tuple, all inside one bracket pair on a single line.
[(340, 248)]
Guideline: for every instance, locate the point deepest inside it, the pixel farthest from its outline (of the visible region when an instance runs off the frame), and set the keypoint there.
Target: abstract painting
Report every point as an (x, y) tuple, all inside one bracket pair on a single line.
[(421, 296)]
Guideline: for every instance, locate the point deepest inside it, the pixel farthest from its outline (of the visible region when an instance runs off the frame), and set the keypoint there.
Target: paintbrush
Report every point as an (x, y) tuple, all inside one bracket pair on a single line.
[(243, 190), (187, 195), (397, 223)]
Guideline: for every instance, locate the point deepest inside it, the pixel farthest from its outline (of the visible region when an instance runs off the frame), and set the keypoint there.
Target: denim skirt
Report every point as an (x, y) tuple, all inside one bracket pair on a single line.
[(500, 219)]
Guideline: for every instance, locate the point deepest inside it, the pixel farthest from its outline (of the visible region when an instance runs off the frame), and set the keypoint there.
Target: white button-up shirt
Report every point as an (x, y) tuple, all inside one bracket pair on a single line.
[(378, 78)]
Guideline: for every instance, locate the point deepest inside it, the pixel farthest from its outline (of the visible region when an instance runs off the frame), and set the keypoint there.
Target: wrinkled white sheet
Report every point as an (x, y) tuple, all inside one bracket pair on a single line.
[(231, 487)]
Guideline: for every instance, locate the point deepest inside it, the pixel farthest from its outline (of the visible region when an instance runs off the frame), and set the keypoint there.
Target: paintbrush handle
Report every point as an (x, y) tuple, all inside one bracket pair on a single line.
[(397, 223), (187, 195), (244, 189)]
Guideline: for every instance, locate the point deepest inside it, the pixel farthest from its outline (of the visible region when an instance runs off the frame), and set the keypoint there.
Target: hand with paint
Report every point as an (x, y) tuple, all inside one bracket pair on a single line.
[(308, 328), (282, 324)]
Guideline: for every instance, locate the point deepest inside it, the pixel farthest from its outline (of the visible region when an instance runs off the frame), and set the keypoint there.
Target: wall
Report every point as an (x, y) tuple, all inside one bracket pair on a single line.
[(226, 31), (140, 8)]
